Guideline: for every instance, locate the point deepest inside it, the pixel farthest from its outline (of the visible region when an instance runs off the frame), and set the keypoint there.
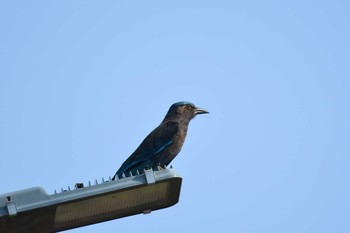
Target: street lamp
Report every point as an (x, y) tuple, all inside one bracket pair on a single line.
[(33, 210)]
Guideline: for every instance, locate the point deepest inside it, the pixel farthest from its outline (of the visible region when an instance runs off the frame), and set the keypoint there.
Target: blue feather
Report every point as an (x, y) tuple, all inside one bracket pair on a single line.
[(138, 161), (182, 103), (163, 147)]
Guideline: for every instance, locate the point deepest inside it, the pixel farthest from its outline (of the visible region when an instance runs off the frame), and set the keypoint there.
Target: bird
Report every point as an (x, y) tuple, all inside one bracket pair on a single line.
[(164, 143)]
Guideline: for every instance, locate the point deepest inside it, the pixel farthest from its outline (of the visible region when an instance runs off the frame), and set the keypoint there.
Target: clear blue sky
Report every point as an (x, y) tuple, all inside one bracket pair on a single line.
[(83, 82)]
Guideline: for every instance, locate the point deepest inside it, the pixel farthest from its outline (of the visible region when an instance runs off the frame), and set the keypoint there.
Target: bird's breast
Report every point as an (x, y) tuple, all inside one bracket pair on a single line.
[(178, 141)]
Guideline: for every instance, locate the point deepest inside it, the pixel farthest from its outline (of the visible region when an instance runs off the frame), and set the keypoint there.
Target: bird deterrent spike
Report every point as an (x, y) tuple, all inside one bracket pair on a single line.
[(68, 188), (130, 173), (123, 175), (109, 178), (89, 183), (171, 166), (137, 172), (164, 166), (103, 180), (96, 181)]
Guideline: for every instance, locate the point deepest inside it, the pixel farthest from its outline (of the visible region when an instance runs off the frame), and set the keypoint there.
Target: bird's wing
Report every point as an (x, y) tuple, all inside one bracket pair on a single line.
[(159, 139)]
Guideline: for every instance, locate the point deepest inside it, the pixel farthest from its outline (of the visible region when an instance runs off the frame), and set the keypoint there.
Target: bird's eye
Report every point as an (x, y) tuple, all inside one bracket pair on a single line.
[(188, 106)]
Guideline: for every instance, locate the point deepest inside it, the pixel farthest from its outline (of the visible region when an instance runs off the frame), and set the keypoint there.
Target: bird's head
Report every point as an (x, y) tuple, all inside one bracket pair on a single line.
[(184, 109)]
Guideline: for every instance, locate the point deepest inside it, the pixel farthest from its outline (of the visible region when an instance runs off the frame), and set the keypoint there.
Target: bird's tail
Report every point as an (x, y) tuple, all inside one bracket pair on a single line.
[(116, 174)]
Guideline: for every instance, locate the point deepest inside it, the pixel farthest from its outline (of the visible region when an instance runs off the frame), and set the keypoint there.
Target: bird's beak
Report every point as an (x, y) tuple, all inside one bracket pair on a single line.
[(200, 111)]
